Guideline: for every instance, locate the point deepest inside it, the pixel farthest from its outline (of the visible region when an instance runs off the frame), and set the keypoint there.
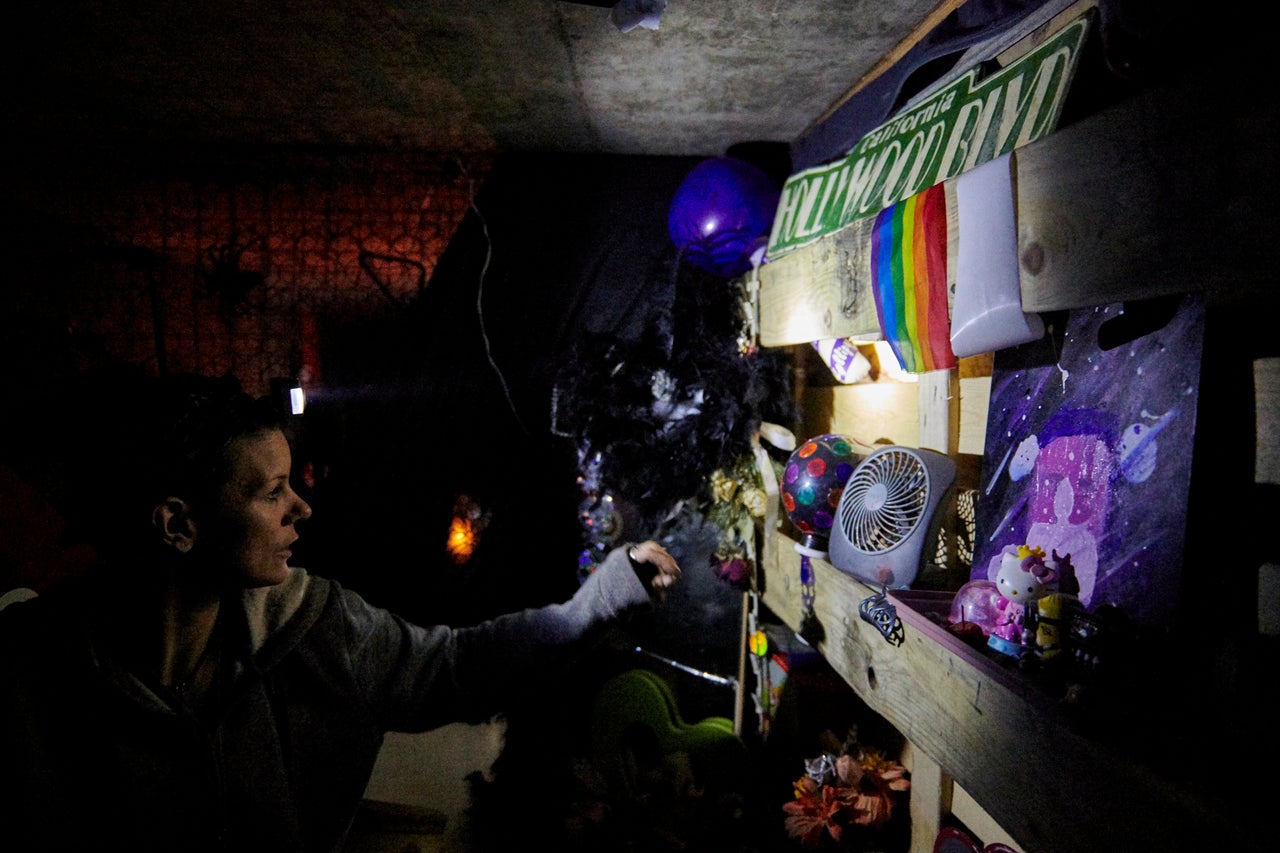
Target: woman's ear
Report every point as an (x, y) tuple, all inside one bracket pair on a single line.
[(172, 517)]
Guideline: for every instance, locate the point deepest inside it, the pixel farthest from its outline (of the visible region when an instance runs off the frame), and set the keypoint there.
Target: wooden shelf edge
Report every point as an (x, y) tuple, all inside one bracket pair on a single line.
[(990, 731), (1127, 204)]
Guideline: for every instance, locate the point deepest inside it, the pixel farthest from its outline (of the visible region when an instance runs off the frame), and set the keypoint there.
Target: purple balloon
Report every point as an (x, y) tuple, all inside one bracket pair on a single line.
[(722, 214)]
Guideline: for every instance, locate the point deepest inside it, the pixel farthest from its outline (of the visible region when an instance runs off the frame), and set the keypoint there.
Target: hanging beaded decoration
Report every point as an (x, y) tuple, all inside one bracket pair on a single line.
[(810, 628)]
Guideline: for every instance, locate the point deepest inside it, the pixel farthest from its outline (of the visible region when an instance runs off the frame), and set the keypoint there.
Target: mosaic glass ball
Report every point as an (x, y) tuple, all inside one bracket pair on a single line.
[(812, 484)]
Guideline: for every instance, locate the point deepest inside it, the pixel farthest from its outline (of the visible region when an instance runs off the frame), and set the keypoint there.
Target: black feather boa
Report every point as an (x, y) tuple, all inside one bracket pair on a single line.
[(667, 409)]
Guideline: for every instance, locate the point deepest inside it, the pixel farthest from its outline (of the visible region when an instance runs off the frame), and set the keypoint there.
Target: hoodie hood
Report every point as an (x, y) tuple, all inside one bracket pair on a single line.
[(277, 617)]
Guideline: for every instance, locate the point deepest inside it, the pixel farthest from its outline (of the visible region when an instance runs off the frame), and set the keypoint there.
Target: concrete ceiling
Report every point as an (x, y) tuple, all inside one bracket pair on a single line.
[(443, 75)]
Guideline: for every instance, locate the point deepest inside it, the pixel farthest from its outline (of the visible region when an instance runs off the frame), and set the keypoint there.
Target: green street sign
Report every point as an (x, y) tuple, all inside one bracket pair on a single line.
[(962, 125)]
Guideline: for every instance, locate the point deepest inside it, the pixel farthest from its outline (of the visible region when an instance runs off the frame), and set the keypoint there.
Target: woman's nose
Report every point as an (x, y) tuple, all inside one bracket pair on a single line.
[(301, 509)]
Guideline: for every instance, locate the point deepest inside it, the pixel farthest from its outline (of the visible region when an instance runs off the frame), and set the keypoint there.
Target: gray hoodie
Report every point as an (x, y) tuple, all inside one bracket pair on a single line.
[(95, 756)]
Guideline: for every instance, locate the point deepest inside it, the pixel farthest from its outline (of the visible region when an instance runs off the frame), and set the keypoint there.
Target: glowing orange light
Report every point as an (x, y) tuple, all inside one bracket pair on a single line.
[(462, 540)]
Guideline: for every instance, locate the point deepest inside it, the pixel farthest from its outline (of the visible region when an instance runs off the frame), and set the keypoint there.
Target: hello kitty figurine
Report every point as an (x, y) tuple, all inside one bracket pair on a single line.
[(1023, 578)]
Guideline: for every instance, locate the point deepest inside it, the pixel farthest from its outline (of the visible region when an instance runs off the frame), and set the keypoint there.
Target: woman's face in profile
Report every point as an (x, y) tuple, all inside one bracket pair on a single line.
[(250, 530)]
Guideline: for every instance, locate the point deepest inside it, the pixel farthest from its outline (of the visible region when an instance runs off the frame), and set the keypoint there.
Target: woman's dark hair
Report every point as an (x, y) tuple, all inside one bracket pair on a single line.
[(149, 438), (195, 419)]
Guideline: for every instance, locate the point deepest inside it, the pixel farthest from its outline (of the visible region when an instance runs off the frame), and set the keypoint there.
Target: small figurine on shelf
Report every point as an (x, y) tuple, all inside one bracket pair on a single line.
[(1024, 577), (1052, 616), (1054, 610)]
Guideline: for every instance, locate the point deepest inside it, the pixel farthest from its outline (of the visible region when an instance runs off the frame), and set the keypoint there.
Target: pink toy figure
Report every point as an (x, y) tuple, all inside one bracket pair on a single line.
[(1023, 578)]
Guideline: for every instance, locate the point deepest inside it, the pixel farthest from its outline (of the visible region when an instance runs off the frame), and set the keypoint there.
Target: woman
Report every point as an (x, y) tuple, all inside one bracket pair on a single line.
[(198, 692)]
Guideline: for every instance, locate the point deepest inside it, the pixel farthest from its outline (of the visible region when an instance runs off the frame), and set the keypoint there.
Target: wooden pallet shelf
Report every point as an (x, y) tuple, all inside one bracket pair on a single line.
[(1142, 200), (991, 731), (1164, 191), (1138, 201)]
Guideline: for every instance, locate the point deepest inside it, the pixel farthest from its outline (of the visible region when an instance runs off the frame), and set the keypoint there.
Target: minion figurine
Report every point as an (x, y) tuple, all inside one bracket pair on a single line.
[(1052, 612)]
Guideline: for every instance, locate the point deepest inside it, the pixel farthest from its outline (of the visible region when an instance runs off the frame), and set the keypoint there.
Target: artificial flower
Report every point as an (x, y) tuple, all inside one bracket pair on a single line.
[(733, 571), (870, 809), (815, 812), (850, 770), (876, 784), (755, 500), (853, 789), (735, 502), (722, 487)]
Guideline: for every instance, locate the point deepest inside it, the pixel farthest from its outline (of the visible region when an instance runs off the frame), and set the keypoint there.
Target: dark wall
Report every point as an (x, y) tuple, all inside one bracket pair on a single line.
[(451, 393)]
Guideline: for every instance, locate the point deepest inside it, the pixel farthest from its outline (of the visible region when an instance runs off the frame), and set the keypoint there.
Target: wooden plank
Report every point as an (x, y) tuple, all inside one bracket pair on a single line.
[(935, 409), (998, 736), (875, 412), (976, 818), (930, 799), (1168, 192), (976, 365), (821, 291), (975, 397), (1123, 205)]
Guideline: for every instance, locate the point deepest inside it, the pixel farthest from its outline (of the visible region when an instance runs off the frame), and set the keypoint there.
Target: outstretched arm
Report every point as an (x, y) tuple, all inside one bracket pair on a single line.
[(657, 569)]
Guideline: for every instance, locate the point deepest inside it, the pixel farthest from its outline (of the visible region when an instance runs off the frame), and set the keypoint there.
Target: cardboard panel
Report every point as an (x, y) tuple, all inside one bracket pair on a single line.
[(1088, 453)]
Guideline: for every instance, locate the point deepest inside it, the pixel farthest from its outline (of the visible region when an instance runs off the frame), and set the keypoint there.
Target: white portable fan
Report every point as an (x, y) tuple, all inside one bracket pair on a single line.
[(887, 514)]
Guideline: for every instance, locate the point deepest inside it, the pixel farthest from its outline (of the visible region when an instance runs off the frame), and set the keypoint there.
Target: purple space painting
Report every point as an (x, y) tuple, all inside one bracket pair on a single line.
[(1088, 453)]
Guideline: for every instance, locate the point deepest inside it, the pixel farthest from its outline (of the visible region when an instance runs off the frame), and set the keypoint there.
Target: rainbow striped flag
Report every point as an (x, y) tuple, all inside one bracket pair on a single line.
[(909, 280)]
